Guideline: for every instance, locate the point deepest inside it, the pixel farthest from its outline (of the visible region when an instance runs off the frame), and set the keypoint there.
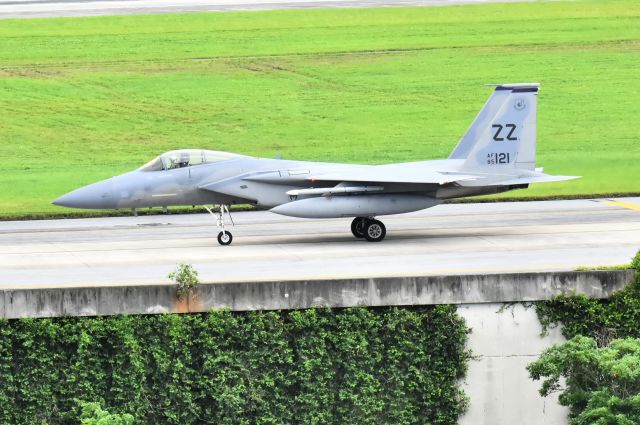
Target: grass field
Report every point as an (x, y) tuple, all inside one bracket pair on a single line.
[(86, 98)]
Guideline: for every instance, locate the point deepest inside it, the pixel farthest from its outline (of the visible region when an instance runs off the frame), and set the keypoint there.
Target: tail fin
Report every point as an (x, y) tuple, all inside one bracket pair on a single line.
[(503, 135)]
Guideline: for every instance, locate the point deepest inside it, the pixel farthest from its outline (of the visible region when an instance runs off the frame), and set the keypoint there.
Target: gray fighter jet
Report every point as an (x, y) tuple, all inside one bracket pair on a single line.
[(497, 154)]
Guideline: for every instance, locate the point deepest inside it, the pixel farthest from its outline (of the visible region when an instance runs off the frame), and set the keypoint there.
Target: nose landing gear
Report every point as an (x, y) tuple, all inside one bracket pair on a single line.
[(224, 237), (368, 228)]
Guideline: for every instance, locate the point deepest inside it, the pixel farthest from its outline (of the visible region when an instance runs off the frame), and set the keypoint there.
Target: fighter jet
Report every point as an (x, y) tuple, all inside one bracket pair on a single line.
[(496, 154)]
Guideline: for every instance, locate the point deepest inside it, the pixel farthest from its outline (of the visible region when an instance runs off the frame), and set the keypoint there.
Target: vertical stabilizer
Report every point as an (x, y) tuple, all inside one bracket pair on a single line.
[(503, 135)]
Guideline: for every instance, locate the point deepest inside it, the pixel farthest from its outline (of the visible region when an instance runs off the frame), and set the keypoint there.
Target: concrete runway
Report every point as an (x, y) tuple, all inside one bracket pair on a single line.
[(447, 239), (58, 8)]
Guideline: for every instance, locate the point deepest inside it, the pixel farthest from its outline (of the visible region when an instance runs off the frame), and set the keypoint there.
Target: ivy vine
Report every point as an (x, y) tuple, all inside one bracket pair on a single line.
[(344, 366), (604, 320)]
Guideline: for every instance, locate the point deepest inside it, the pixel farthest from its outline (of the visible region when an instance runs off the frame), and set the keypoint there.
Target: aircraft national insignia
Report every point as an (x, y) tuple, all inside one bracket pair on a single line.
[(520, 104)]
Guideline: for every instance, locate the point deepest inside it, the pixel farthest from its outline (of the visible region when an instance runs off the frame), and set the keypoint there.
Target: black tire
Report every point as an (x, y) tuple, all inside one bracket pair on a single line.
[(375, 231), (358, 226), (225, 238)]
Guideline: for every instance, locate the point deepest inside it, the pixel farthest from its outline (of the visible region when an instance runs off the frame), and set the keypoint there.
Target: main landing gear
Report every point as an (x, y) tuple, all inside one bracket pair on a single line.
[(224, 237), (368, 228)]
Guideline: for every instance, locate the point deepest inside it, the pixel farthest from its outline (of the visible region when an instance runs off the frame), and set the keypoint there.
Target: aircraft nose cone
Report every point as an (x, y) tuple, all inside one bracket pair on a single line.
[(71, 200), (61, 201), (94, 196)]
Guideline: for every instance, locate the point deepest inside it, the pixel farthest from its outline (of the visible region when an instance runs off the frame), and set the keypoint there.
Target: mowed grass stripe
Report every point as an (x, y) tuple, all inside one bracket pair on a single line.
[(172, 36), (86, 98)]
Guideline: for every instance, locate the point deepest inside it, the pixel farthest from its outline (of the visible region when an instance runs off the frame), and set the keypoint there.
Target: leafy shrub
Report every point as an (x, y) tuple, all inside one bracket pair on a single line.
[(635, 263), (601, 361), (92, 414), (602, 384), (344, 366), (186, 277)]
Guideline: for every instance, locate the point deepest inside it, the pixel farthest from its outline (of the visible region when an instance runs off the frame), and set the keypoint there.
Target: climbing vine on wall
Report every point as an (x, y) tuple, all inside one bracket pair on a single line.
[(615, 317), (348, 366)]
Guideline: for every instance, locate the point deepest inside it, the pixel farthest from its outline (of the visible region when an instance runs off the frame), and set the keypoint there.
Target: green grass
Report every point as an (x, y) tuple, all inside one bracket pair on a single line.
[(83, 99), (599, 268)]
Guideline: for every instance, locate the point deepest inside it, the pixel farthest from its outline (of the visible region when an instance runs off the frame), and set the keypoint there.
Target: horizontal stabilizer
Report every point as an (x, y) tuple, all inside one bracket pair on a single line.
[(545, 178)]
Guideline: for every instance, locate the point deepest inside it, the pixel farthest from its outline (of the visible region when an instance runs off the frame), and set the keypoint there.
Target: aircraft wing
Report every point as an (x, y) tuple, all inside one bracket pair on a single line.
[(364, 176), (439, 178), (383, 174), (266, 187)]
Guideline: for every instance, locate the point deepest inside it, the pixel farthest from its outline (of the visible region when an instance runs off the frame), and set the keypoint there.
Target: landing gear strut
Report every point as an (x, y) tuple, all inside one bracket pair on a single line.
[(368, 228), (224, 237)]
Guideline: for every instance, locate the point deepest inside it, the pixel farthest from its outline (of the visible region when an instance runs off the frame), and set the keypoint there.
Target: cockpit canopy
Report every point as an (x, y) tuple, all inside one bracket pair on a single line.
[(185, 158)]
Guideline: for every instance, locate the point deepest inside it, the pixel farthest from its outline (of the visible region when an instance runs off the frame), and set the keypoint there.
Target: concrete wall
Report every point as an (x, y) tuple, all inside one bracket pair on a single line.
[(505, 341), (505, 333), (422, 290)]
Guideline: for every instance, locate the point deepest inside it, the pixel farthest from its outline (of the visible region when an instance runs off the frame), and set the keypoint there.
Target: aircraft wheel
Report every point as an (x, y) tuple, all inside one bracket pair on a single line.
[(375, 231), (358, 226), (225, 238)]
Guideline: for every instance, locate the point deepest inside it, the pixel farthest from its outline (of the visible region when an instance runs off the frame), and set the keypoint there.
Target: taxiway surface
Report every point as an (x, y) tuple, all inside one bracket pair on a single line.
[(58, 8), (447, 239)]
